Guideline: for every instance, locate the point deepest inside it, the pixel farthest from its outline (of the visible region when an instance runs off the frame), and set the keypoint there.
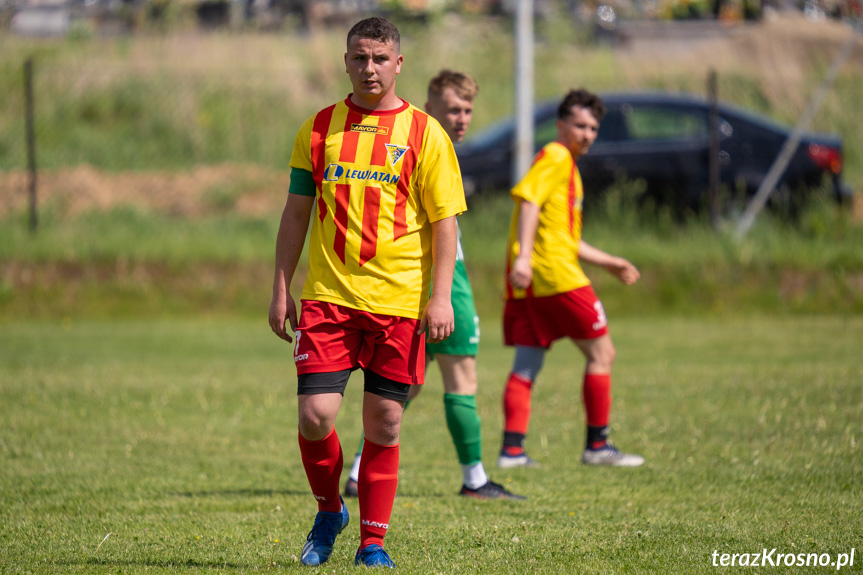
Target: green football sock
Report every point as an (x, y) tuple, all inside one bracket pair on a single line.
[(363, 437), (464, 426)]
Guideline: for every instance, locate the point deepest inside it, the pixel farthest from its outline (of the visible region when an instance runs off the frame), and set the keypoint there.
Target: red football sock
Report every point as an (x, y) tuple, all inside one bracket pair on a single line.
[(516, 404), (323, 463), (596, 392), (379, 477)]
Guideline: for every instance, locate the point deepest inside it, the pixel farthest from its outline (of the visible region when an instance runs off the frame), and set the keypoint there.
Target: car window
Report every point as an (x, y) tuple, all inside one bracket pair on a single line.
[(546, 131), (611, 129), (661, 123)]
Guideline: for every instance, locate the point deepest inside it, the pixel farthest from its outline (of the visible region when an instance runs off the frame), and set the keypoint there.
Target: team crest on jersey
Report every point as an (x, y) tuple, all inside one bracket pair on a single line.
[(395, 152), (366, 129)]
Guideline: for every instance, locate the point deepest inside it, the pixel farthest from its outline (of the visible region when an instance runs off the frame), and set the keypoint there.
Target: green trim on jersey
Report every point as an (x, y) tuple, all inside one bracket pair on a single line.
[(465, 338), (302, 183)]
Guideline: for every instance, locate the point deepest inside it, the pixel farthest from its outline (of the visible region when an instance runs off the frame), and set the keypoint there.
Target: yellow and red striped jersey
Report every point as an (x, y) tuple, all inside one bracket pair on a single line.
[(554, 184), (382, 178)]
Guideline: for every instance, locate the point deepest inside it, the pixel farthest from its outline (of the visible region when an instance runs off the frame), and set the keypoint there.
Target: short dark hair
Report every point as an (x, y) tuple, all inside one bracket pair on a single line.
[(583, 99), (376, 28), (464, 85)]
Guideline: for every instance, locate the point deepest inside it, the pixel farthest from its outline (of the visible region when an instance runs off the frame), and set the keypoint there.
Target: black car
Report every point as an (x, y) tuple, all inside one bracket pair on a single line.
[(663, 139)]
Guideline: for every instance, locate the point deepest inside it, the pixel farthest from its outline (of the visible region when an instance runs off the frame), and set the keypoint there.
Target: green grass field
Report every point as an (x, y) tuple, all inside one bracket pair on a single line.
[(170, 447), (148, 414)]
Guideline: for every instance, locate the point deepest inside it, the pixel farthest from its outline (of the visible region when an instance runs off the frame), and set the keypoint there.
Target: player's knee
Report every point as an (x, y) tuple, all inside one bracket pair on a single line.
[(382, 425), (602, 357), (608, 354), (465, 388), (319, 397), (314, 425), (382, 412), (384, 430), (458, 373), (465, 385)]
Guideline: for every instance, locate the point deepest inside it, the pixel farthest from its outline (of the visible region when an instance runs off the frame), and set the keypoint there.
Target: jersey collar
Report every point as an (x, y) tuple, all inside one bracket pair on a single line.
[(405, 105)]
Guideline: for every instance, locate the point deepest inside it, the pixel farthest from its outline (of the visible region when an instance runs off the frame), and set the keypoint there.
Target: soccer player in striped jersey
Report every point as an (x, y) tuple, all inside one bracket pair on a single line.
[(380, 181), (548, 296), (450, 101)]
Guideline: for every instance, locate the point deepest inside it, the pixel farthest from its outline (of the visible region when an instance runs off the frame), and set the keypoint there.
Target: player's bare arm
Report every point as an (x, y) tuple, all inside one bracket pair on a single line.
[(521, 273), (438, 315), (620, 268), (289, 247)]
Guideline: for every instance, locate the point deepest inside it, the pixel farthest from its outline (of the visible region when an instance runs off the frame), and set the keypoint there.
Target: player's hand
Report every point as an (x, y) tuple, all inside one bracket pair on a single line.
[(438, 319), (521, 273), (283, 310), (624, 271)]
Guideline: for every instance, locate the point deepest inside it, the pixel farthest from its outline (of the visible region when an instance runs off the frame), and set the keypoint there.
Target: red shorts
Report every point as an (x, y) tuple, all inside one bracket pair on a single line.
[(332, 337), (539, 321)]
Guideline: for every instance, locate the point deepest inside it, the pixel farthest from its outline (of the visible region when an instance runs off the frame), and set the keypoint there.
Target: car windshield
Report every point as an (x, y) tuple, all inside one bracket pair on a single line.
[(733, 112), (664, 123), (643, 121)]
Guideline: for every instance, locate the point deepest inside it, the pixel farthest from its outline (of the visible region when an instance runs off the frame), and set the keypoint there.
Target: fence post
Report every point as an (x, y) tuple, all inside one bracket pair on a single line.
[(713, 161), (31, 140)]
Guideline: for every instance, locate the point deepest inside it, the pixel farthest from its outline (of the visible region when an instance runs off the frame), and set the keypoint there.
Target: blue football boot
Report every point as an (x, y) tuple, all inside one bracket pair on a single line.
[(319, 543), (373, 556)]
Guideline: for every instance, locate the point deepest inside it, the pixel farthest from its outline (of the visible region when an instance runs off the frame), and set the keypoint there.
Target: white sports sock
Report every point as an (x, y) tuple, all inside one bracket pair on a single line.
[(474, 475), (355, 468)]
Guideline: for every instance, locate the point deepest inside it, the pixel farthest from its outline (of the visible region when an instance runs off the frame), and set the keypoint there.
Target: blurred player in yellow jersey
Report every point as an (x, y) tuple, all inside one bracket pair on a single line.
[(380, 181), (450, 101), (548, 296)]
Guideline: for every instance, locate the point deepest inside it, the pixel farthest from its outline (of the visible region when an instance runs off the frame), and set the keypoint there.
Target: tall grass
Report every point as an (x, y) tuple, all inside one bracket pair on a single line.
[(823, 236), (164, 120), (157, 102), (127, 232), (811, 265), (130, 262)]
